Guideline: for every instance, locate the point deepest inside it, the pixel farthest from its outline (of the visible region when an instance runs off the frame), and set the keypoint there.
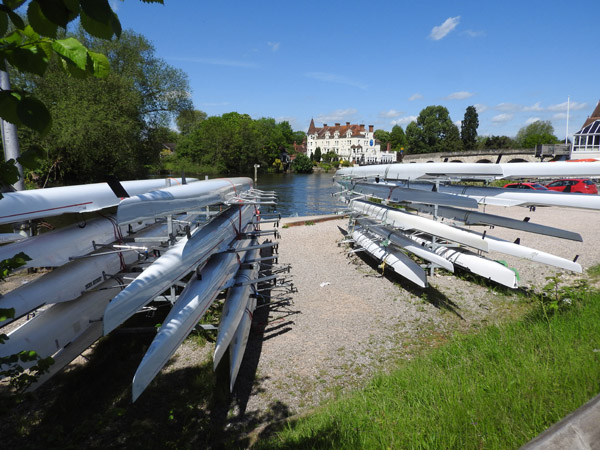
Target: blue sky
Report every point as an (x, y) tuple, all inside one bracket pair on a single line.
[(381, 62)]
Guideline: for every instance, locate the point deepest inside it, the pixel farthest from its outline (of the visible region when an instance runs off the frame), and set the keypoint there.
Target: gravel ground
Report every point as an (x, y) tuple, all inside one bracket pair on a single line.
[(346, 321)]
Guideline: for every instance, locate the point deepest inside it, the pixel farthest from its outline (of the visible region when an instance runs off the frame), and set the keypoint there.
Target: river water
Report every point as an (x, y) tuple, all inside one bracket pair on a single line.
[(302, 194)]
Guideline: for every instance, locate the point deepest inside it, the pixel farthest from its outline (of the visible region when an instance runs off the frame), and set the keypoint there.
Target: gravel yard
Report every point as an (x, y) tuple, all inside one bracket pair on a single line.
[(346, 321)]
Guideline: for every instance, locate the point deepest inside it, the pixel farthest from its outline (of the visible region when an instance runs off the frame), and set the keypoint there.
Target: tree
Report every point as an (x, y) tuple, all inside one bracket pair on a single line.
[(188, 120), (468, 128), (109, 126), (29, 48), (397, 138), (317, 154), (302, 164), (536, 133), (433, 131), (383, 137), (498, 142)]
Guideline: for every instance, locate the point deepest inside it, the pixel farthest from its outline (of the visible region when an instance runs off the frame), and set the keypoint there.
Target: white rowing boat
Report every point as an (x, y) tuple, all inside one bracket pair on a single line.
[(189, 308), (235, 304), (240, 342), (395, 259), (454, 171), (188, 197), (478, 218), (407, 221), (400, 240), (70, 280), (61, 324), (37, 203), (485, 268), (57, 247), (179, 260)]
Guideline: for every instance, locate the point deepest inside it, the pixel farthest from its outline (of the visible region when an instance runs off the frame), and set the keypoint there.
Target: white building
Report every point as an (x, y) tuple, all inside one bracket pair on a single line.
[(586, 142), (350, 142)]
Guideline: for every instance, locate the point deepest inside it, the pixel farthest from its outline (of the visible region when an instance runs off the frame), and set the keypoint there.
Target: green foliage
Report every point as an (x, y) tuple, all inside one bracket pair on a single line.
[(302, 164), (330, 156), (236, 142), (317, 155), (113, 126), (383, 137), (468, 128), (498, 142), (536, 133), (397, 138), (433, 132), (188, 120)]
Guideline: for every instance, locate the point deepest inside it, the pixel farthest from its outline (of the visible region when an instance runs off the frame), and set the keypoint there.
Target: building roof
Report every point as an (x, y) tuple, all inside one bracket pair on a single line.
[(591, 128), (595, 116), (356, 130)]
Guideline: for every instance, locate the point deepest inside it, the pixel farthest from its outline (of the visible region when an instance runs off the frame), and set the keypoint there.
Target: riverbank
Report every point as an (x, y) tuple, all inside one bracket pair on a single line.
[(344, 324)]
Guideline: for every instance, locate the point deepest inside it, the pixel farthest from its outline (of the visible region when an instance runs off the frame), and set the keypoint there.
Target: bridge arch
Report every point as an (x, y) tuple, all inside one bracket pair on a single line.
[(456, 160), (484, 161), (517, 160)]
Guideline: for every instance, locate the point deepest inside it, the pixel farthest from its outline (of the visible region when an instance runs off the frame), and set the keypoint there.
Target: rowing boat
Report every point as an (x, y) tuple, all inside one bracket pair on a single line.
[(191, 305), (189, 197), (399, 240), (484, 267), (234, 306), (37, 203), (178, 261), (407, 221), (68, 281), (395, 259), (240, 341)]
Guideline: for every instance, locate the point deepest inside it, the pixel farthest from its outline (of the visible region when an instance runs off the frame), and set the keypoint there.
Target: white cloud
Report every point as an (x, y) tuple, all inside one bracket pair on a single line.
[(415, 96), (219, 62), (442, 31), (532, 120), (274, 45), (458, 123), (390, 114), (480, 107), (404, 120), (333, 78), (473, 34), (502, 118), (459, 95), (576, 106), (535, 107), (559, 116), (339, 115), (507, 107)]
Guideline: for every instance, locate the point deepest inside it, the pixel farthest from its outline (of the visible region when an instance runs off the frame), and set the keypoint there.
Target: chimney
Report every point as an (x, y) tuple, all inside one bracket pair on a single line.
[(370, 128), (347, 124), (337, 124), (362, 127), (389, 146), (324, 125)]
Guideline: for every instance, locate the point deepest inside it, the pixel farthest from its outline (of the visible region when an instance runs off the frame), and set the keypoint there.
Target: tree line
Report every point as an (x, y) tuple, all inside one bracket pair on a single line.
[(433, 131)]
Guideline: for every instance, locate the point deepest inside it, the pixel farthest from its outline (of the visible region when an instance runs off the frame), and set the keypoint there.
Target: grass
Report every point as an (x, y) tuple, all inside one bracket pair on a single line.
[(496, 389)]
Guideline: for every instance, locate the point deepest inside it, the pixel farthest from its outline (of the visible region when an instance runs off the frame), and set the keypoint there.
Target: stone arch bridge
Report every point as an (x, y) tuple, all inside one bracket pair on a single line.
[(541, 153)]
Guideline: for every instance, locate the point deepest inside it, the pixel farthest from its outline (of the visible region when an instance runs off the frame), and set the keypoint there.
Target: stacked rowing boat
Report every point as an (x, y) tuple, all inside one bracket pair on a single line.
[(406, 212), (145, 241)]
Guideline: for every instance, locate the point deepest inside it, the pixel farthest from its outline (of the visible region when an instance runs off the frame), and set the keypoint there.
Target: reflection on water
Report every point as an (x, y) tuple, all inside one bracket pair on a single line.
[(302, 194)]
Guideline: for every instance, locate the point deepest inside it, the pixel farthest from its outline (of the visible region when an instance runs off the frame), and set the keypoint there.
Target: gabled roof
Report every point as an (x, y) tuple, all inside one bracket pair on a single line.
[(595, 116), (356, 130)]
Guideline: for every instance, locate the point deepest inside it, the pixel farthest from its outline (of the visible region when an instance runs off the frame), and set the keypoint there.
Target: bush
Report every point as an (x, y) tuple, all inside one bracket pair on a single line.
[(302, 164)]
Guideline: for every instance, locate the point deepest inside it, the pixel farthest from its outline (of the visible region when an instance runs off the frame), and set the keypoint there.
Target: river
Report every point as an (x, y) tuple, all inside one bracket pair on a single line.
[(298, 194)]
